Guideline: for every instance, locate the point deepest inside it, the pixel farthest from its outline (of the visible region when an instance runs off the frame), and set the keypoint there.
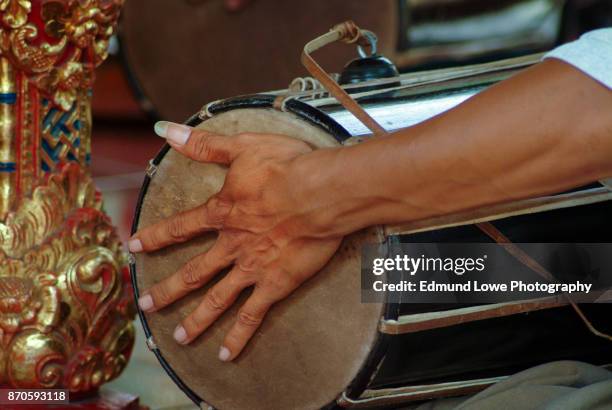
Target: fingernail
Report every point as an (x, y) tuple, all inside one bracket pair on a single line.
[(134, 245), (180, 335), (177, 134), (224, 354), (145, 303)]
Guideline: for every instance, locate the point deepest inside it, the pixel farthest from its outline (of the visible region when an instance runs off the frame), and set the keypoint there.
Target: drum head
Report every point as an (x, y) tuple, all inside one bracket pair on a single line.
[(310, 346), (183, 52)]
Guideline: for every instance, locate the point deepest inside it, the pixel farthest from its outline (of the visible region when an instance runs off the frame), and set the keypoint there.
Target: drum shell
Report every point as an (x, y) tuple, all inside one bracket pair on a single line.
[(502, 346), (397, 362)]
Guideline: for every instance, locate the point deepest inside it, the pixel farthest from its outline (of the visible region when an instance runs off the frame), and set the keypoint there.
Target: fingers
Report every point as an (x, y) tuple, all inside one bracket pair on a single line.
[(180, 227), (248, 320), (194, 274), (199, 145), (216, 301)]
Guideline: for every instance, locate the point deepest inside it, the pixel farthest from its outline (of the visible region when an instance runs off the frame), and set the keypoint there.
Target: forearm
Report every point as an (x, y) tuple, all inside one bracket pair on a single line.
[(542, 131)]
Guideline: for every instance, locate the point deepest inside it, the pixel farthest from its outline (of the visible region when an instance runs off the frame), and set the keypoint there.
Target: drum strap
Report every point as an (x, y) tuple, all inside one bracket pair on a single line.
[(347, 32), (497, 236)]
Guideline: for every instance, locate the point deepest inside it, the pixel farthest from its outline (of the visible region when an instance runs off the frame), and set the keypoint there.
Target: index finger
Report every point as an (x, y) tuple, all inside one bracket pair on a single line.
[(182, 226), (199, 145)]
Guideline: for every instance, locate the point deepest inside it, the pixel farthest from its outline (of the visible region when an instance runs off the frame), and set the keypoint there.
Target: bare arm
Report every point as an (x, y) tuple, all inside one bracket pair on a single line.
[(284, 209), (543, 131)]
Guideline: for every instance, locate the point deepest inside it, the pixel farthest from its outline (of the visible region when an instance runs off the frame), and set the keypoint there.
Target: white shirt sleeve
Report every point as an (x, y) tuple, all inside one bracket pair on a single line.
[(591, 53)]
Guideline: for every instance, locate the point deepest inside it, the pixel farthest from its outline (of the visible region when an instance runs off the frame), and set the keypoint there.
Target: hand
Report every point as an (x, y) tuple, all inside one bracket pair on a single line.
[(257, 218)]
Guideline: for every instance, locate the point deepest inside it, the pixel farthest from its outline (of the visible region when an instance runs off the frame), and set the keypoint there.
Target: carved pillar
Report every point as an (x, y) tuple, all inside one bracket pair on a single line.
[(65, 302)]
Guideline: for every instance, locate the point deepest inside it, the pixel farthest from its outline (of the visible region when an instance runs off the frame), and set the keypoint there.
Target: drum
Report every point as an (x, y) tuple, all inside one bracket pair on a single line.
[(322, 347), (200, 43)]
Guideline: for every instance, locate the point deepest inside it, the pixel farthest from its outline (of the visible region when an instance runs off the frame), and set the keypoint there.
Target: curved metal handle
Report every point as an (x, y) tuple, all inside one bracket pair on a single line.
[(347, 32)]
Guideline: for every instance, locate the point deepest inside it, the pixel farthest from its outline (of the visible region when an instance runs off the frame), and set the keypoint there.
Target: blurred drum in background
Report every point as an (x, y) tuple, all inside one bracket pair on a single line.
[(183, 52)]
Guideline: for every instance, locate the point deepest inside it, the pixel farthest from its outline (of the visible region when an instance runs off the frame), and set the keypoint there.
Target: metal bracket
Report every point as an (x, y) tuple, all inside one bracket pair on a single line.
[(607, 183), (373, 49), (205, 113), (344, 401), (280, 102), (151, 343), (151, 169)]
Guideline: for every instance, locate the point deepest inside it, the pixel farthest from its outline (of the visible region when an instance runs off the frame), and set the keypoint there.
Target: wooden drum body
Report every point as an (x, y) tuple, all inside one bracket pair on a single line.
[(322, 347)]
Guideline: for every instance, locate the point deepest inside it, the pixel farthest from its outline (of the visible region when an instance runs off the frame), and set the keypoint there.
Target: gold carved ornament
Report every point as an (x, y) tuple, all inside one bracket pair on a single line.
[(58, 57), (65, 300)]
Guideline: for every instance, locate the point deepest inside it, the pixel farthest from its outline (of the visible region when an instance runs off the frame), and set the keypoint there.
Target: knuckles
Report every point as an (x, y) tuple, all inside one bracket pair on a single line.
[(175, 228), (217, 211), (280, 285), (240, 278), (248, 319), (214, 301), (230, 242), (161, 295), (202, 148), (194, 323), (152, 238), (190, 274), (249, 264)]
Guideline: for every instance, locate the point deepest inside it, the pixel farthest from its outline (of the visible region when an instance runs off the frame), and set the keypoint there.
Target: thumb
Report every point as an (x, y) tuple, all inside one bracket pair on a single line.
[(199, 145)]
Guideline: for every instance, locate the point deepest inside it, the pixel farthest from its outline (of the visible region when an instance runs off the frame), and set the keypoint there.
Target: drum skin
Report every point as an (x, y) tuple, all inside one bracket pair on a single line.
[(183, 52), (310, 346)]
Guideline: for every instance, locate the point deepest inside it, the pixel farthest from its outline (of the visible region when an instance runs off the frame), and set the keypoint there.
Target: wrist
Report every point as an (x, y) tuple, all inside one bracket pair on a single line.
[(314, 177), (330, 200)]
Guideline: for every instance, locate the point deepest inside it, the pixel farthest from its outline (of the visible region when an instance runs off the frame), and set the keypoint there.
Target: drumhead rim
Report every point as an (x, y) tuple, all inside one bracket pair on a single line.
[(317, 118)]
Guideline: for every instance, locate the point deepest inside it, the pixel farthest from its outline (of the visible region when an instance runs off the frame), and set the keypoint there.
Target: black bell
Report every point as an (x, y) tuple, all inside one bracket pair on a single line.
[(366, 69)]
